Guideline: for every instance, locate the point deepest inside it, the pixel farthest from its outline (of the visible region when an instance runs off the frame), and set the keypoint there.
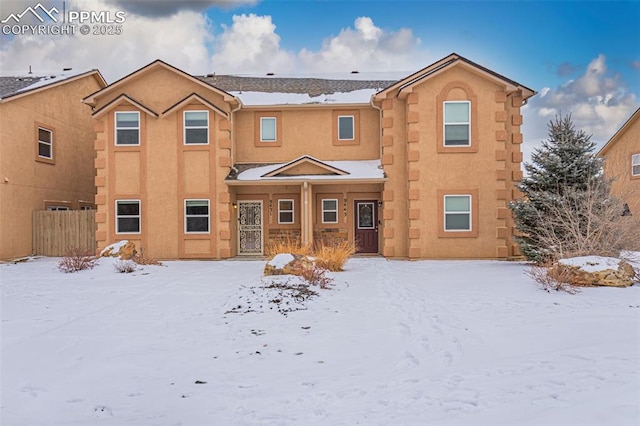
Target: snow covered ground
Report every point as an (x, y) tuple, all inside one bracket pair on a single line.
[(394, 342)]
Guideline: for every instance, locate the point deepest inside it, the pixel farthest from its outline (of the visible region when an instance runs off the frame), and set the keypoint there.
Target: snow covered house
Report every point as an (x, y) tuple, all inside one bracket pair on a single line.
[(622, 162), (421, 166), (46, 151)]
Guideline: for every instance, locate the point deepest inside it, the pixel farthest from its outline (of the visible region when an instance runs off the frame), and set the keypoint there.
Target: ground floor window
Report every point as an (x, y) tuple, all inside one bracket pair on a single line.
[(127, 216), (285, 211), (330, 211), (196, 216), (457, 213)]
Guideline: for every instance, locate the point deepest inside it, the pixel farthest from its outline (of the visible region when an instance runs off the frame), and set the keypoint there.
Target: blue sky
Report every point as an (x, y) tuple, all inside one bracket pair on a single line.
[(583, 57)]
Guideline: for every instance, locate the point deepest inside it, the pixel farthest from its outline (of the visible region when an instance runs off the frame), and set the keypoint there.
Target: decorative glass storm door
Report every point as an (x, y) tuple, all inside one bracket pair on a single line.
[(366, 222), (249, 227)]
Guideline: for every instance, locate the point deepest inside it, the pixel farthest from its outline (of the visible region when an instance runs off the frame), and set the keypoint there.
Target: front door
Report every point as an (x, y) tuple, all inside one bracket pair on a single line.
[(366, 221), (249, 227)]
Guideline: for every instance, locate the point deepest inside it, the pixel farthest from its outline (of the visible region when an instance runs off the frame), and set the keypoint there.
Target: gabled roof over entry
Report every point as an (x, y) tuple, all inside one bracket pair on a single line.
[(305, 165), (307, 168), (405, 85)]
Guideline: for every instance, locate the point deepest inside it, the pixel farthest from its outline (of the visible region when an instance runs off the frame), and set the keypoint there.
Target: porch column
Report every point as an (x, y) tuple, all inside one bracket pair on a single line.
[(307, 214)]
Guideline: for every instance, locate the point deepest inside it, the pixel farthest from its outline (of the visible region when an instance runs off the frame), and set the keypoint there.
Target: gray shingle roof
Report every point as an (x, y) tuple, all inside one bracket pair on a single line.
[(11, 85), (311, 86)]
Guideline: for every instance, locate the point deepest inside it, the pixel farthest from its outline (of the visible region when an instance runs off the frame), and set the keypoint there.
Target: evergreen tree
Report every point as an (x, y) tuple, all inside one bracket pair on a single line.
[(564, 166)]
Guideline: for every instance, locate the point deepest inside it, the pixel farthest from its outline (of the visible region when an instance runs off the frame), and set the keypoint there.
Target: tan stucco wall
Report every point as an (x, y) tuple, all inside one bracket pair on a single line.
[(162, 172), (617, 166), (306, 131), (420, 171), (25, 184)]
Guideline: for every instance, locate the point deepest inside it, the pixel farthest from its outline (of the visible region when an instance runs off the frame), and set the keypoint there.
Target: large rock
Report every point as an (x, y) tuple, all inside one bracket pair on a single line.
[(124, 249), (594, 271), (288, 264)]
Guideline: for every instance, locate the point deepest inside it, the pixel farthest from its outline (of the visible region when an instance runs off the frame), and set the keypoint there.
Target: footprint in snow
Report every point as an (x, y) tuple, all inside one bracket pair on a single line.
[(102, 412)]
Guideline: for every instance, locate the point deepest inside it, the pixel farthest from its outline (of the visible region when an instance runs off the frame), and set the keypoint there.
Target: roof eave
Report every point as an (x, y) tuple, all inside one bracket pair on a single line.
[(286, 181)]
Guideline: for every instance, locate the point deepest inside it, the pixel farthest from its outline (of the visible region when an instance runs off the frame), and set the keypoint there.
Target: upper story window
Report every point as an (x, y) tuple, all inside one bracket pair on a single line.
[(635, 165), (457, 213), (268, 129), (196, 216), (127, 128), (346, 128), (457, 123), (127, 216), (196, 127), (45, 143), (285, 212), (330, 211)]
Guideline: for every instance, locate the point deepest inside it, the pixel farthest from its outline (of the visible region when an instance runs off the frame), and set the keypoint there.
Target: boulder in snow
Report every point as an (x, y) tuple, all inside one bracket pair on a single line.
[(288, 264), (124, 249), (587, 271)]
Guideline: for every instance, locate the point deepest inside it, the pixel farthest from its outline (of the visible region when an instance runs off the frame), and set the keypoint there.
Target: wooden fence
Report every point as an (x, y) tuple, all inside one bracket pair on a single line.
[(56, 232)]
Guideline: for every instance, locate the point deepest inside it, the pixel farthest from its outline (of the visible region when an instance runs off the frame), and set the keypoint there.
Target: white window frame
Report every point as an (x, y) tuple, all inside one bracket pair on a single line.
[(208, 216), (281, 210), (139, 216), (353, 127), (445, 123), (635, 163), (275, 129), (185, 127), (329, 210), (54, 208), (469, 213), (115, 123), (49, 144)]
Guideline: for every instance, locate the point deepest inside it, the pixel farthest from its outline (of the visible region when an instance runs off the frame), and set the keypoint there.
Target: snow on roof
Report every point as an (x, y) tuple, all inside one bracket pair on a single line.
[(270, 98), (357, 169), (12, 85)]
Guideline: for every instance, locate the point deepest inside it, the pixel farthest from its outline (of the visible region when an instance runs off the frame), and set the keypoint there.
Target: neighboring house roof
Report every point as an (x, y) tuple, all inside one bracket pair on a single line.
[(450, 61), (12, 87), (328, 171), (634, 117)]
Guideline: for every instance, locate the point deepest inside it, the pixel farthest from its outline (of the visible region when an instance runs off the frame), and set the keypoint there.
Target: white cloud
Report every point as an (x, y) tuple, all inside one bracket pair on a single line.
[(180, 39), (364, 47), (251, 45), (598, 102)]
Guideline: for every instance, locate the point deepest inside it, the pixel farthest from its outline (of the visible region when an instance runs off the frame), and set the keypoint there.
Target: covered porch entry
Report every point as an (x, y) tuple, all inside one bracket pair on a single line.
[(308, 201)]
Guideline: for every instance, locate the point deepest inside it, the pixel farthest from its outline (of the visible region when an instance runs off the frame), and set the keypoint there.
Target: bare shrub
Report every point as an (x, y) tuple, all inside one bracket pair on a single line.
[(314, 275), (586, 222), (140, 259), (333, 256), (125, 266), (289, 245), (77, 259), (551, 278)]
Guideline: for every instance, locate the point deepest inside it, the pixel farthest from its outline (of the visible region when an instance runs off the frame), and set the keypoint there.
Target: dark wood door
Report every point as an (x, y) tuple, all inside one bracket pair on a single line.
[(366, 224)]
